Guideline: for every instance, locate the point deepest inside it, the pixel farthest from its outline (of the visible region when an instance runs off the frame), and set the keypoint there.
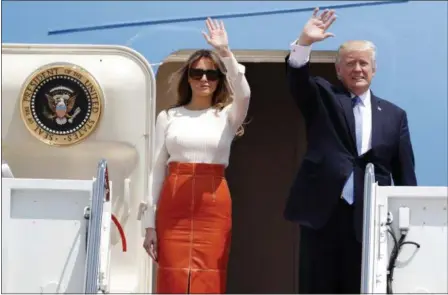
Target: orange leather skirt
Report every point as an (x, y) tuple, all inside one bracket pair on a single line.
[(193, 225)]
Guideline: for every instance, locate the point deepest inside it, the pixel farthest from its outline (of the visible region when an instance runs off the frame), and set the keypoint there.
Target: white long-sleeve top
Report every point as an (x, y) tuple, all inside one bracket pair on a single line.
[(197, 136)]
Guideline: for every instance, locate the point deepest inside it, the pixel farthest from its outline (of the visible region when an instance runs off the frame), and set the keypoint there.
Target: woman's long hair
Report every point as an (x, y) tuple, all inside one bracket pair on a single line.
[(179, 85)]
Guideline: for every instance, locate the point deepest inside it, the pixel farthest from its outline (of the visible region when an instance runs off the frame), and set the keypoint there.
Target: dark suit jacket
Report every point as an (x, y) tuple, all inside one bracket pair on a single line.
[(331, 149)]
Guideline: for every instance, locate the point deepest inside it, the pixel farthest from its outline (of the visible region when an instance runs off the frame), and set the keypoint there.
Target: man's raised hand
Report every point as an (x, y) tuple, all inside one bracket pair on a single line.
[(316, 28)]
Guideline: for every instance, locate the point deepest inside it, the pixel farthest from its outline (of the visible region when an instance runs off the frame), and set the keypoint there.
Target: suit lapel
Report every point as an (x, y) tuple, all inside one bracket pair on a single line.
[(376, 119), (344, 98), (345, 102)]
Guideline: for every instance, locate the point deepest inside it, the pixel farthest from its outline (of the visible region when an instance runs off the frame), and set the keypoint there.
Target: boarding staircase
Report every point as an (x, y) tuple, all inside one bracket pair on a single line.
[(78, 255), (405, 238), (56, 236)]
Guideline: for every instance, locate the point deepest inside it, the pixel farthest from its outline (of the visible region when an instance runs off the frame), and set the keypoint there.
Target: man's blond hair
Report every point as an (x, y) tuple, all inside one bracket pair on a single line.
[(357, 45)]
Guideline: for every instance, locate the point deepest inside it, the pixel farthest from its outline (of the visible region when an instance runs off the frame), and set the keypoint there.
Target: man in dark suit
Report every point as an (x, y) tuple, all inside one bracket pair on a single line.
[(347, 127)]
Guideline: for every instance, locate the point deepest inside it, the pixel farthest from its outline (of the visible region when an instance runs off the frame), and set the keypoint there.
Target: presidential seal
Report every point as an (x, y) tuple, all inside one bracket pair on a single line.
[(61, 104)]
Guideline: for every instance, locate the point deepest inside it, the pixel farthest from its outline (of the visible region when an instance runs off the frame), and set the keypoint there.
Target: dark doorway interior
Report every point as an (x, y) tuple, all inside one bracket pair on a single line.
[(264, 254)]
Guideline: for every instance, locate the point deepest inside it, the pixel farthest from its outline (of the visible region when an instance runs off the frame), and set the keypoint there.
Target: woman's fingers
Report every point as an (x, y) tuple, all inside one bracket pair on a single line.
[(207, 38), (210, 25)]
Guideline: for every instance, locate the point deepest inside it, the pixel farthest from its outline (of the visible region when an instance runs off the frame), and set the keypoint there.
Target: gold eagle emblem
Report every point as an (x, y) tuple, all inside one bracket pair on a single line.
[(61, 104)]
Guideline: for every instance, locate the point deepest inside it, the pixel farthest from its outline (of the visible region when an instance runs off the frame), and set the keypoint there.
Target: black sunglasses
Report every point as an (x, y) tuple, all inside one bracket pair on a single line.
[(197, 74)]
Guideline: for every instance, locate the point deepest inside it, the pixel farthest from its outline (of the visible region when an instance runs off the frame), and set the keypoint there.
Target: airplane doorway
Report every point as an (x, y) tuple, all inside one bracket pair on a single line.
[(264, 251)]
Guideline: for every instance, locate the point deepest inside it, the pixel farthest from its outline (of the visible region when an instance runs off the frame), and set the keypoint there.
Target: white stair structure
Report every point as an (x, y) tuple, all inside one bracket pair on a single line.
[(65, 107), (56, 235), (419, 216)]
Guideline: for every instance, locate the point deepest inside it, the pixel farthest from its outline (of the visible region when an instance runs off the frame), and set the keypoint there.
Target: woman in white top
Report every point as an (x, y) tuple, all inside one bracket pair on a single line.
[(189, 234)]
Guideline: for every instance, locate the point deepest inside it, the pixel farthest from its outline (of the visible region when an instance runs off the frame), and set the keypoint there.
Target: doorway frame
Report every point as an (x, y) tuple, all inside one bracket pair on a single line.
[(246, 56), (259, 56)]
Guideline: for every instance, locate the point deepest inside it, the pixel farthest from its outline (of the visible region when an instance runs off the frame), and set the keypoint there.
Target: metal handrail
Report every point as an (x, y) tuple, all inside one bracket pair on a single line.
[(369, 209), (6, 170), (94, 230)]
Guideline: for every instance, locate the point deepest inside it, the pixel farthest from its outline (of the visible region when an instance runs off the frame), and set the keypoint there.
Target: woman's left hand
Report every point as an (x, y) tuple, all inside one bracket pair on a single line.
[(217, 36)]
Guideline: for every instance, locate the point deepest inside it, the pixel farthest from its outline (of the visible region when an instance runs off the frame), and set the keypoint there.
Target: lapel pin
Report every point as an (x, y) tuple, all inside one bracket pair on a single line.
[(379, 109)]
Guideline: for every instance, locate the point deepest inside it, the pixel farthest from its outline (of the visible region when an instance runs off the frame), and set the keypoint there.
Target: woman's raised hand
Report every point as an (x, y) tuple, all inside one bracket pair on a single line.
[(217, 35)]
